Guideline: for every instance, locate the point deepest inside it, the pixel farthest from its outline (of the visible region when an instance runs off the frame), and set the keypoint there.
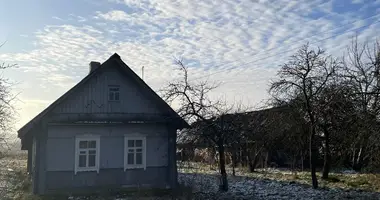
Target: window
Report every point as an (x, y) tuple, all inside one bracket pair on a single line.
[(134, 152), (87, 153), (114, 93)]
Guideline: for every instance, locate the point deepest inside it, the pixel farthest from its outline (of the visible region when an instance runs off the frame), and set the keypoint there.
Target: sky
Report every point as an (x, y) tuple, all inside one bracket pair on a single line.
[(238, 43)]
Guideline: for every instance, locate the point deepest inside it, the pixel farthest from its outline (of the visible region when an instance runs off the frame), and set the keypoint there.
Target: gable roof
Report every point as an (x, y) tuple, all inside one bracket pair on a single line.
[(127, 71)]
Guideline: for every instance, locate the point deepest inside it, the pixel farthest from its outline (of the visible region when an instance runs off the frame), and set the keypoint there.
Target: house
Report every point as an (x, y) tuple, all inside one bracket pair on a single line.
[(109, 130)]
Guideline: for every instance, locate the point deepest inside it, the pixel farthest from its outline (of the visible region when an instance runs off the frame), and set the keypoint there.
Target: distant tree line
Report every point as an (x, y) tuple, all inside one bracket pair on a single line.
[(7, 110), (324, 115)]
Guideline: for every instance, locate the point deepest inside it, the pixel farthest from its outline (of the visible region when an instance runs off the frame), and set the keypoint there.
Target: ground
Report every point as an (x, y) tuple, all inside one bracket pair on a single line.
[(278, 184), (199, 181)]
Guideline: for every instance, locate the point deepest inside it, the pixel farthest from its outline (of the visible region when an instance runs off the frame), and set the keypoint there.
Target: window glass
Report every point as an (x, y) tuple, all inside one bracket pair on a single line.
[(111, 96), (138, 158), (82, 160), (131, 143), (138, 143), (83, 144), (131, 158), (92, 144), (91, 160)]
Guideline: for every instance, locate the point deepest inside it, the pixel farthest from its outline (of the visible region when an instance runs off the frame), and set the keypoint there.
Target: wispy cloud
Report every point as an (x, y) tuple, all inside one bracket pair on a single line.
[(239, 43), (57, 18), (114, 15)]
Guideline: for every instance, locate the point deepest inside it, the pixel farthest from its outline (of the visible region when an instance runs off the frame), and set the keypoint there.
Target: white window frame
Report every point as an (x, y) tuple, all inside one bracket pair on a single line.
[(114, 92), (126, 148), (77, 150)]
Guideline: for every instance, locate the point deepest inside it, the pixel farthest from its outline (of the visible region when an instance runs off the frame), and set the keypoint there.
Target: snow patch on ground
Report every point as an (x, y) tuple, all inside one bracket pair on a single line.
[(205, 186)]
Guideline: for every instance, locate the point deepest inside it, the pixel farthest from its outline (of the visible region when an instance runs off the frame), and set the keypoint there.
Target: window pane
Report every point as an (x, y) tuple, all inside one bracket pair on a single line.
[(131, 143), (131, 150), (92, 144), (91, 160), (131, 158), (92, 152), (82, 152), (82, 144), (111, 96), (82, 161), (114, 89), (117, 96), (138, 150), (138, 158), (138, 143)]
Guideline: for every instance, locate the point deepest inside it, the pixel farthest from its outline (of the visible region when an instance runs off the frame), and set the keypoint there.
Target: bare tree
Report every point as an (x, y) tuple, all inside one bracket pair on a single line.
[(7, 110), (361, 71), (335, 113), (7, 118), (205, 115), (304, 76)]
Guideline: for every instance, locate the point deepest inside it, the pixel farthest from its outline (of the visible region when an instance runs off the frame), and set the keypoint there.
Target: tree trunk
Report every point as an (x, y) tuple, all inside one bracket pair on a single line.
[(327, 156), (245, 156), (353, 159), (238, 157), (313, 159), (234, 158), (312, 146), (302, 160), (222, 164), (358, 158), (252, 162), (294, 162)]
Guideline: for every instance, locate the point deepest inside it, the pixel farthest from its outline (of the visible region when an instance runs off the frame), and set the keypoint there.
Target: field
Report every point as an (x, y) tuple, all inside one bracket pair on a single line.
[(200, 181)]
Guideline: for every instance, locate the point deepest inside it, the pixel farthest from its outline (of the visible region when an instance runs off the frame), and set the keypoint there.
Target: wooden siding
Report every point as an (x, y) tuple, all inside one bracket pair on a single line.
[(61, 145), (92, 97), (152, 176), (39, 158), (41, 163)]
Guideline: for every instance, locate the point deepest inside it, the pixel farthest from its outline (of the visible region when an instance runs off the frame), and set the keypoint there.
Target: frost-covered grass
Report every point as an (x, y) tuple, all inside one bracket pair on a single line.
[(13, 181), (337, 180), (205, 186)]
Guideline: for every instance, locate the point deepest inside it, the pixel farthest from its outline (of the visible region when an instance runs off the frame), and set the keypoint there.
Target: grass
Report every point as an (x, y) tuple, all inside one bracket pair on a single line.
[(365, 182), (16, 183)]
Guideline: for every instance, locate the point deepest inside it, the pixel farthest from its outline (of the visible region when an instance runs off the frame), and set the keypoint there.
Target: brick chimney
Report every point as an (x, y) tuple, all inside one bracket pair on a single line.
[(93, 66)]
